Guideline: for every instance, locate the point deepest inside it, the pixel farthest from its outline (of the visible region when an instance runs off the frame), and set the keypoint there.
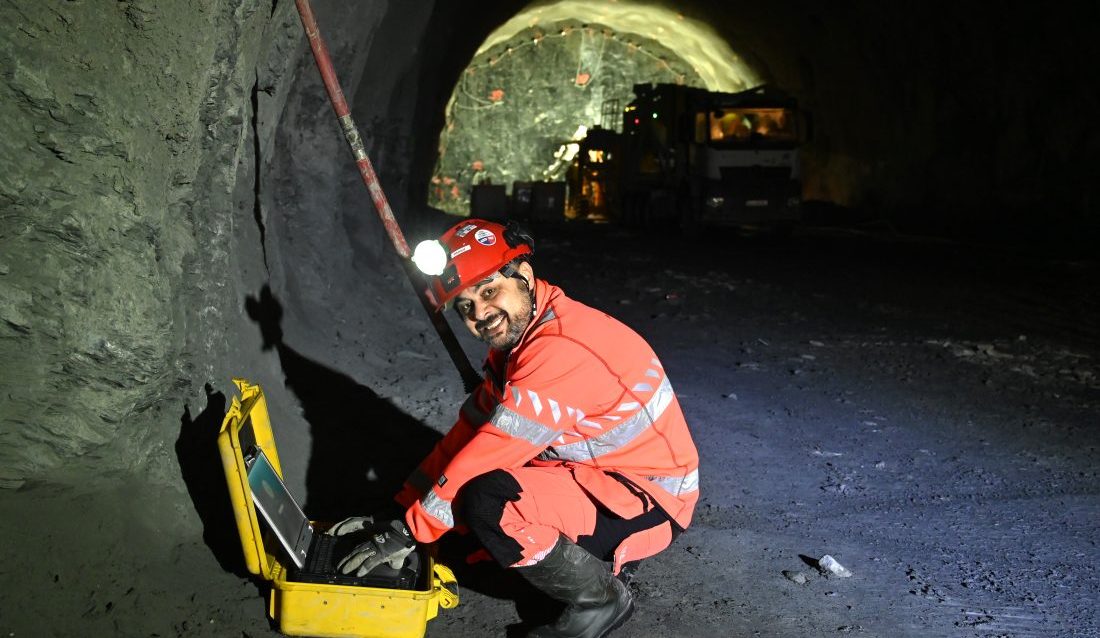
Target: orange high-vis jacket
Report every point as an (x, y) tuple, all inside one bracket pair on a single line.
[(580, 390)]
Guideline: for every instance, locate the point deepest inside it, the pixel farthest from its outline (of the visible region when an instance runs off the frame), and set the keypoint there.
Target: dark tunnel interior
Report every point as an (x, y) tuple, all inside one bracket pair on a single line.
[(873, 285)]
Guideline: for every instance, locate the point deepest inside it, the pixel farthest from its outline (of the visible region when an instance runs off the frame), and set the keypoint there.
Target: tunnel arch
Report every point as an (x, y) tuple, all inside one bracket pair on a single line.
[(555, 67), (720, 68)]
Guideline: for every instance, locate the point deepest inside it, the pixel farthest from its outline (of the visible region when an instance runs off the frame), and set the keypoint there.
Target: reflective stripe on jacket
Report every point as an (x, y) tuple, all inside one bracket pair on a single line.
[(582, 390)]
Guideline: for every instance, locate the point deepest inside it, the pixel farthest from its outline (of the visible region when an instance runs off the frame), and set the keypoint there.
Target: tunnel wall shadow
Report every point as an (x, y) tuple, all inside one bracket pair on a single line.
[(201, 469), (363, 447)]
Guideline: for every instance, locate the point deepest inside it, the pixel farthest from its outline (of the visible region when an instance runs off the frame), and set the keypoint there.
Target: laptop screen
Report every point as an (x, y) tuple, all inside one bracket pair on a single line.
[(279, 509)]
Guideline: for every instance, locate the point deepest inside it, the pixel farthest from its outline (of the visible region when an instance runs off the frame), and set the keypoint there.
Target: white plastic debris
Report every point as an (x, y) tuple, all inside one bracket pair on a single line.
[(828, 564)]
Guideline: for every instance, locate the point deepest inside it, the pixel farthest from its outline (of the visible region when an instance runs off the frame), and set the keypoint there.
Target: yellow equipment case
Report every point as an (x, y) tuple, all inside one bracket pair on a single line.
[(306, 608)]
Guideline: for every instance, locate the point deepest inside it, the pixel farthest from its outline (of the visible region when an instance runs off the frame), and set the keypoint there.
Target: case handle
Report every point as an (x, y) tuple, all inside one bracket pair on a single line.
[(446, 585)]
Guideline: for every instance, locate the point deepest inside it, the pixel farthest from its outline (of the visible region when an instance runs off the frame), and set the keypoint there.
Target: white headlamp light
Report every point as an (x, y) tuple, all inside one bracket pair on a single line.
[(430, 257)]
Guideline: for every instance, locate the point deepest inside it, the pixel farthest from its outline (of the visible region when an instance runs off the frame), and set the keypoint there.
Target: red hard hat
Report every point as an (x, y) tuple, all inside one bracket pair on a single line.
[(472, 250)]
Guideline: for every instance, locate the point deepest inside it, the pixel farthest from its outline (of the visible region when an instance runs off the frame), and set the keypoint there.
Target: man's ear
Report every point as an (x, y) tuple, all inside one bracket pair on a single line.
[(527, 273)]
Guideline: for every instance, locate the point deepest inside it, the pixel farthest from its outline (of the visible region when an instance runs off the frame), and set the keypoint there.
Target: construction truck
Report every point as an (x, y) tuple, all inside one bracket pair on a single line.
[(593, 177), (694, 157)]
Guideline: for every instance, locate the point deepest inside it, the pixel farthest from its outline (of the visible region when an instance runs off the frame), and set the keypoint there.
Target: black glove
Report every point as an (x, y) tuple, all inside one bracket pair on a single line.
[(390, 543)]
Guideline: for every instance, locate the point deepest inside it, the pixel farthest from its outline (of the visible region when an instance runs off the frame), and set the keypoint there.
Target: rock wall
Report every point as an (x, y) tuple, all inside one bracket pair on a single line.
[(122, 128), (163, 163)]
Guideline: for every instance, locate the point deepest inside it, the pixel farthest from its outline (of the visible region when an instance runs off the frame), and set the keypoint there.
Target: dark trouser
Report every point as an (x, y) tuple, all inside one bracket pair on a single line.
[(517, 516)]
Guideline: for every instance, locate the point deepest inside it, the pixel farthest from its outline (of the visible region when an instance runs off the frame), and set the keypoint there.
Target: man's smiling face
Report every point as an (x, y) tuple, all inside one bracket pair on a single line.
[(497, 310)]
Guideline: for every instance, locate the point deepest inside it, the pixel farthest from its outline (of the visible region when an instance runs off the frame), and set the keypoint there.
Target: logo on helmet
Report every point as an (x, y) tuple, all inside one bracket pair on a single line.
[(485, 237), (465, 230)]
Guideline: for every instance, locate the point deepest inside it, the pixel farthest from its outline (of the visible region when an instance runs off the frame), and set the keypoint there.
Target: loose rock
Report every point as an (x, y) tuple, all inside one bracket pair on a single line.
[(830, 567)]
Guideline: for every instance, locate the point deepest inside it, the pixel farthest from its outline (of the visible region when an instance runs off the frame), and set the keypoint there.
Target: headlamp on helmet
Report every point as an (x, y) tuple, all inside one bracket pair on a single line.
[(430, 257), (471, 251)]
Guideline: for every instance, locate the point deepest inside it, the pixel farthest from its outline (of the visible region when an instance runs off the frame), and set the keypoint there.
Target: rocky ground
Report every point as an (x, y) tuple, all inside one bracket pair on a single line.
[(924, 412)]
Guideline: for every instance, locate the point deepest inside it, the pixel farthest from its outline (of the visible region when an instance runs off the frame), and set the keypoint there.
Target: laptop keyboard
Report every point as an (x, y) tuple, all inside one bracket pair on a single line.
[(321, 558)]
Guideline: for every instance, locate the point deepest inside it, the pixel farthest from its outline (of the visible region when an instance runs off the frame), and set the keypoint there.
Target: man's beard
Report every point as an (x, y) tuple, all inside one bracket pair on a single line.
[(517, 323)]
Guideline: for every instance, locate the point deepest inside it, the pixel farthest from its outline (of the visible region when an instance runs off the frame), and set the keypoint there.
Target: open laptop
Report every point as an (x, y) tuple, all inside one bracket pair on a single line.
[(314, 554)]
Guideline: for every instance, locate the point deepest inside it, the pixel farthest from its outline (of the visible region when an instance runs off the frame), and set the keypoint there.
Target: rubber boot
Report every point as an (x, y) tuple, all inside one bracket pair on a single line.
[(596, 600)]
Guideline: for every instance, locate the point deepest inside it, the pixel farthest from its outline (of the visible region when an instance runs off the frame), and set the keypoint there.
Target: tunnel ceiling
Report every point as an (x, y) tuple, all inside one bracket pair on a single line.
[(553, 68)]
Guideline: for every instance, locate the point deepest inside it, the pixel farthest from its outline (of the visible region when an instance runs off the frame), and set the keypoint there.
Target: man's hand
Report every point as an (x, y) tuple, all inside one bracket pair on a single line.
[(349, 525), (390, 543)]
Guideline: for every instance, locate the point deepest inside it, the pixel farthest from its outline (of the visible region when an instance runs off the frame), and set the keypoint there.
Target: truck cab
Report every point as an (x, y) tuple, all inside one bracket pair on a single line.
[(698, 157)]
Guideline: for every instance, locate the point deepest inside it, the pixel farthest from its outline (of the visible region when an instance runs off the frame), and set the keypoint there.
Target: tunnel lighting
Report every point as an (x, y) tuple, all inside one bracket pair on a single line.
[(430, 257)]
